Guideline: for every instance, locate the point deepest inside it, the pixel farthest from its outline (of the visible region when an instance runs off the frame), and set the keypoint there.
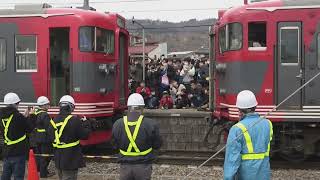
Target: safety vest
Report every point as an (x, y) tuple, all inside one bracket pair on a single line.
[(7, 141), (37, 112), (58, 133), (251, 155), (132, 138)]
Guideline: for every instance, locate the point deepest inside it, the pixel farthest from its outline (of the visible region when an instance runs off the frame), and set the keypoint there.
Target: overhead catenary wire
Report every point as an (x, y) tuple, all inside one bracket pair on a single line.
[(254, 124), (11, 4), (171, 10), (91, 2), (173, 27)]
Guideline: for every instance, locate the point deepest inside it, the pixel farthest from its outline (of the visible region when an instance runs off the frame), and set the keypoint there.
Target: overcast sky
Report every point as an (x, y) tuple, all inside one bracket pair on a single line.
[(171, 10)]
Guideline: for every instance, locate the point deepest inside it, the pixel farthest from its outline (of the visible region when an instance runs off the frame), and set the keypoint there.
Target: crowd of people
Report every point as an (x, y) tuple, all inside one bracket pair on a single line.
[(172, 83)]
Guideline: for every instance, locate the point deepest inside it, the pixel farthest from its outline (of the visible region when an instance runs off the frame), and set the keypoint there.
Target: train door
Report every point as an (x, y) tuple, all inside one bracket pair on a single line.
[(289, 70), (59, 63), (122, 59)]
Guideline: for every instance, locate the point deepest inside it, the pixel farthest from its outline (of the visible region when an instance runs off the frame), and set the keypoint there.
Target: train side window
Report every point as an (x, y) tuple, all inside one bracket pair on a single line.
[(230, 37), (26, 53), (3, 54), (235, 36), (289, 46), (94, 39), (104, 41), (257, 36), (86, 38), (222, 39)]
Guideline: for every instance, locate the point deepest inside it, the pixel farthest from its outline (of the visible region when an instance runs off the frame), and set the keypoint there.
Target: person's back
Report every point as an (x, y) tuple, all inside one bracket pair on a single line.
[(248, 144), (136, 138), (66, 131), (43, 143), (260, 138), (146, 138), (70, 158), (19, 126), (14, 128)]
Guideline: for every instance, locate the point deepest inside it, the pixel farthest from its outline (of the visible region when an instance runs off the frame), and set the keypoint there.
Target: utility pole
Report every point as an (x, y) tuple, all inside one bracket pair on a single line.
[(143, 49), (143, 56), (86, 4)]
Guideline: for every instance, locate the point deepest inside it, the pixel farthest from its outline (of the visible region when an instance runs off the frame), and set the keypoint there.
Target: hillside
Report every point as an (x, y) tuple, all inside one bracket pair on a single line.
[(178, 36)]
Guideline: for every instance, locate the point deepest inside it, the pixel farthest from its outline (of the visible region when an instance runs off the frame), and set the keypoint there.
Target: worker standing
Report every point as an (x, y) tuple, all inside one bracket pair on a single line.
[(44, 145), (14, 128), (137, 138), (248, 144), (66, 131)]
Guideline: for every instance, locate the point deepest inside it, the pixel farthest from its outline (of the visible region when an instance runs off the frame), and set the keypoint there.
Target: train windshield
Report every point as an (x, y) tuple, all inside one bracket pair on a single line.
[(230, 37), (94, 39)]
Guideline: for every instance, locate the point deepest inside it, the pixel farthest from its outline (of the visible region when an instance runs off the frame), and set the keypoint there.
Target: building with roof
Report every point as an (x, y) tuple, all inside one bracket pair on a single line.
[(180, 54), (153, 50)]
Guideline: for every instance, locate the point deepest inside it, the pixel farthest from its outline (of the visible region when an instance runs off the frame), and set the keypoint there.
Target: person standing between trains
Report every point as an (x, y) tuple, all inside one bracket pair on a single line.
[(14, 128), (65, 132), (248, 144), (137, 138), (42, 140)]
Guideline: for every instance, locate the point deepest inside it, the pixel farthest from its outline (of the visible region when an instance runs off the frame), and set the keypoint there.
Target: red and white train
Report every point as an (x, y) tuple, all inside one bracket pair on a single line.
[(272, 48), (56, 51)]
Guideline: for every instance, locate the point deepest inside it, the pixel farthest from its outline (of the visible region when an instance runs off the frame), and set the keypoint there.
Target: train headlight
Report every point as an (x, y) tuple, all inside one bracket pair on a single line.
[(222, 92), (221, 68), (103, 90), (107, 68)]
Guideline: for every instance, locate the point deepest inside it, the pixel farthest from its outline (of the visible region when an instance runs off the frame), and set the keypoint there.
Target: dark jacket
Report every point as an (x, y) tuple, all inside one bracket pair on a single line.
[(171, 72), (19, 126), (69, 158), (148, 137), (43, 122)]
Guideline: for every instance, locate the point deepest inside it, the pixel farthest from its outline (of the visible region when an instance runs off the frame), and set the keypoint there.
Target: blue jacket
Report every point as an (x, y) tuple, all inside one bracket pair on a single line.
[(234, 166)]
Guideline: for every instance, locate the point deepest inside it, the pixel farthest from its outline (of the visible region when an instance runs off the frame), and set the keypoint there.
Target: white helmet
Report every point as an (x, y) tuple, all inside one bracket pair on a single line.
[(67, 99), (246, 99), (42, 100), (135, 99), (11, 98)]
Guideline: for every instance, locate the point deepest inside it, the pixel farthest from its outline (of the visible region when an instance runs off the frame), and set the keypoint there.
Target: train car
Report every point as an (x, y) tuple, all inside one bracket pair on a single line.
[(56, 51), (271, 48)]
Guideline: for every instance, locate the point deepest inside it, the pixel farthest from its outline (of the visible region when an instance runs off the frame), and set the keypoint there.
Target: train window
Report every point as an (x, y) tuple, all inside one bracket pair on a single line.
[(104, 41), (230, 37), (86, 38), (257, 36), (235, 36), (3, 54), (222, 39), (96, 39), (26, 53), (289, 47)]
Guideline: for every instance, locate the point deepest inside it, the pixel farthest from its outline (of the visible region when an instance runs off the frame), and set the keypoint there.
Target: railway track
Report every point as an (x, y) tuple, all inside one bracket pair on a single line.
[(196, 158)]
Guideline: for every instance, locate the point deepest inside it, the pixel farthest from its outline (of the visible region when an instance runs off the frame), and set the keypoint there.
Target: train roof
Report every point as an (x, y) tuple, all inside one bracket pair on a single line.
[(270, 5), (46, 10)]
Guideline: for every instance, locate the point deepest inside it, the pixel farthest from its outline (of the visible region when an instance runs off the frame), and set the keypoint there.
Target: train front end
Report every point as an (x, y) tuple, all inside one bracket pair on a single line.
[(272, 49)]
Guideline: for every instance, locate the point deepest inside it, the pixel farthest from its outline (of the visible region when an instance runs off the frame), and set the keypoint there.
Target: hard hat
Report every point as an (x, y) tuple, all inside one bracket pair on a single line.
[(246, 99), (42, 100), (67, 99), (135, 99), (11, 98)]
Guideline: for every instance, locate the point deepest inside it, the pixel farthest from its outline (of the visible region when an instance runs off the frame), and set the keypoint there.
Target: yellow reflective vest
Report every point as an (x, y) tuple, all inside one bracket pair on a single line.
[(37, 112), (58, 131), (251, 155), (6, 125), (132, 138)]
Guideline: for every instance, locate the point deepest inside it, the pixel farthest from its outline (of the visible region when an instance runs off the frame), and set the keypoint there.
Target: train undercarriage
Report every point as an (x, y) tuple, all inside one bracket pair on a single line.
[(292, 141)]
